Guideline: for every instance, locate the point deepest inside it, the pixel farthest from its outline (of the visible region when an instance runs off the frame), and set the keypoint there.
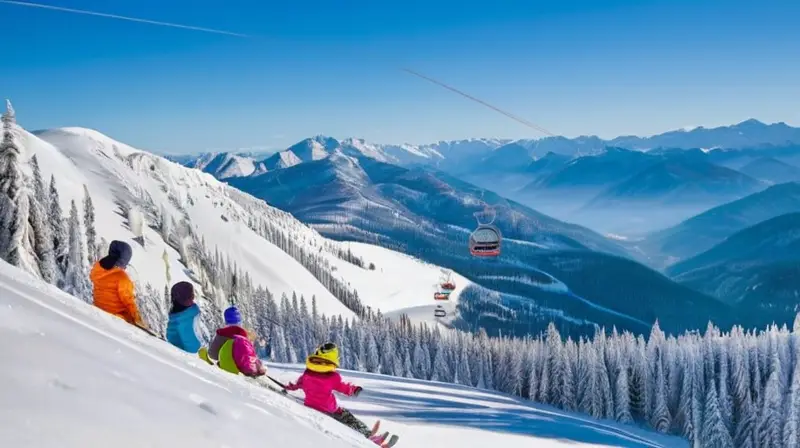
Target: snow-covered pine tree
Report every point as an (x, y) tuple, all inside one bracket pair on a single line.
[(76, 280), (88, 222), (791, 428), (39, 220), (39, 188), (17, 237), (660, 419), (714, 433), (59, 233), (372, 362), (151, 307), (622, 406), (43, 241), (770, 425)]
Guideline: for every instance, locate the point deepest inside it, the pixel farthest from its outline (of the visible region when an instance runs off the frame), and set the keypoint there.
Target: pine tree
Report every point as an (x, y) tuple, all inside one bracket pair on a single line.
[(17, 238), (568, 399), (684, 417), (622, 407), (770, 426), (714, 434), (43, 242), (791, 428), (76, 278), (58, 233), (40, 192), (660, 418), (88, 221), (372, 361), (463, 374)]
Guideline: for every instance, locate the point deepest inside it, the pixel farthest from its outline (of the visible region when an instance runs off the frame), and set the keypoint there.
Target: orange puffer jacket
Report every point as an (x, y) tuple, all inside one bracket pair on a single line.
[(113, 293)]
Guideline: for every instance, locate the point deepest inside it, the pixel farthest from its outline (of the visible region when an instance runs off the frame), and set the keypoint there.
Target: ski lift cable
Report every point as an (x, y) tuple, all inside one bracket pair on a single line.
[(248, 36), (120, 17), (480, 101)]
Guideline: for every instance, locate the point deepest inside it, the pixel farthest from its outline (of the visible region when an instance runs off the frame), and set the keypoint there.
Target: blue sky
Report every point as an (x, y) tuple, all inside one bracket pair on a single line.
[(323, 67)]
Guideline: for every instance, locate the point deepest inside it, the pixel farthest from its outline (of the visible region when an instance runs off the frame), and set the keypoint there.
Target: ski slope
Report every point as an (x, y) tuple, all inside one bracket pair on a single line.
[(400, 283), (78, 377), (434, 414), (74, 376)]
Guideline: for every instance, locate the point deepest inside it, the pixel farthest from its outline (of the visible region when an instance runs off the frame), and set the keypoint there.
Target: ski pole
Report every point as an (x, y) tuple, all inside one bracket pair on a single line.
[(283, 386)]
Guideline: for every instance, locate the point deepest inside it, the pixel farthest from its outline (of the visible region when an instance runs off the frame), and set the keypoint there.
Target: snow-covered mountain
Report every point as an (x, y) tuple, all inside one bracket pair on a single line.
[(225, 165), (186, 225), (468, 157), (548, 270)]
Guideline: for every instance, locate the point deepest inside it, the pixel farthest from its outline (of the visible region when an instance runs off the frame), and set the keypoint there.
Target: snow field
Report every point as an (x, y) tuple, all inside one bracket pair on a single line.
[(78, 377), (432, 414), (400, 284)]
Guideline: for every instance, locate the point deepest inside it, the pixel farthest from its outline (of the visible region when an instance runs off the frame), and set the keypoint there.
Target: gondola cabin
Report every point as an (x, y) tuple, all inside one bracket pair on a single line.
[(448, 286), (441, 296), (439, 312), (485, 241)]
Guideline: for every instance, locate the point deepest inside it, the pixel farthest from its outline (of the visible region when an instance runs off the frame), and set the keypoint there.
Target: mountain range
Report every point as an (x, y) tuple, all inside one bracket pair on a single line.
[(757, 266), (586, 180), (420, 199), (548, 269)]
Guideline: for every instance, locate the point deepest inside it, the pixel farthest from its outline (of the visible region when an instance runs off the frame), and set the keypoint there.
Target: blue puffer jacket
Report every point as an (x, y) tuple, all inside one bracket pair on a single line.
[(186, 330)]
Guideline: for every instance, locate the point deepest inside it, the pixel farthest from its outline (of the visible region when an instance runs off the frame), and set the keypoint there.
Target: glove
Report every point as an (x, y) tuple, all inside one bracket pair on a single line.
[(357, 391), (262, 370)]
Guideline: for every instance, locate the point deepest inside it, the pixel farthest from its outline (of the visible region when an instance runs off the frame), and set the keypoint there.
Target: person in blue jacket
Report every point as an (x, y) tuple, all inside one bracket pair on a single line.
[(185, 328)]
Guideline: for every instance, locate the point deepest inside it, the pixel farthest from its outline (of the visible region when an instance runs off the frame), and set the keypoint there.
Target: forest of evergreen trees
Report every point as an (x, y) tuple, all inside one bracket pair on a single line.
[(34, 235), (734, 389), (718, 390)]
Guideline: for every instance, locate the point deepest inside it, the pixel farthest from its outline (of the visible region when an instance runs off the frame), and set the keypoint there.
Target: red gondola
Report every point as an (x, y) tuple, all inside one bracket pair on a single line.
[(485, 241), (448, 286), (441, 296)]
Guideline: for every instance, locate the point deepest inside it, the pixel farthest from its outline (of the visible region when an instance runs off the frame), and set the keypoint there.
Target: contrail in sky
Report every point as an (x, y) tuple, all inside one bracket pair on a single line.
[(477, 100), (118, 17)]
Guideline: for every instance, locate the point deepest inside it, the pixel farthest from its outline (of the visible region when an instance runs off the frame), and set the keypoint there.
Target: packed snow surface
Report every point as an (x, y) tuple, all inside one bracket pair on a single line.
[(78, 377), (74, 376), (433, 414), (400, 284)]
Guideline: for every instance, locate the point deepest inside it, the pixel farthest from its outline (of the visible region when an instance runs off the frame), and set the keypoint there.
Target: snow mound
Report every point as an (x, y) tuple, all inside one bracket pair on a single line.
[(78, 377), (433, 414)]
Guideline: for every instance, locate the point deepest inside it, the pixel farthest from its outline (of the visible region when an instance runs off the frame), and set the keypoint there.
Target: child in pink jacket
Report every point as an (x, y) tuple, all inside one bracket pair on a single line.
[(318, 383)]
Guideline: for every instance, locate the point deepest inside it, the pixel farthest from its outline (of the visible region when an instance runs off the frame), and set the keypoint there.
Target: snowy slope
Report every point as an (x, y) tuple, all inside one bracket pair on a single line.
[(433, 414), (79, 156), (77, 377), (400, 284)]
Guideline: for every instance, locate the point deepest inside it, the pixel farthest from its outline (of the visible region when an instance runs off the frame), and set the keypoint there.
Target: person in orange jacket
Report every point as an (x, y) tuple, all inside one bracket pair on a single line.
[(113, 289)]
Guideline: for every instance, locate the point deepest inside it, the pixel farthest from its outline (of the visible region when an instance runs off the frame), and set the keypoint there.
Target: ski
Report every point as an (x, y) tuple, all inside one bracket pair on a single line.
[(375, 428), (392, 441), (378, 440)]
